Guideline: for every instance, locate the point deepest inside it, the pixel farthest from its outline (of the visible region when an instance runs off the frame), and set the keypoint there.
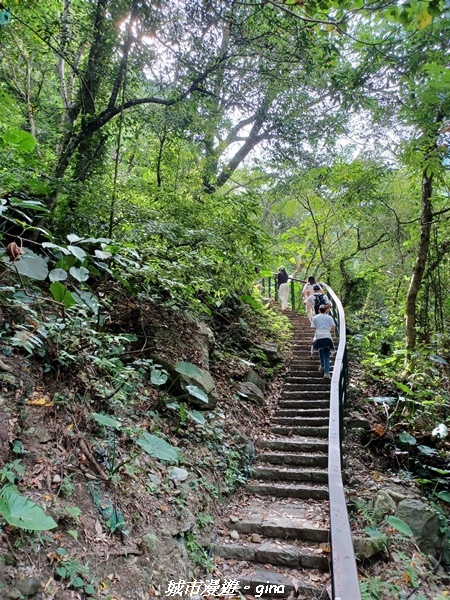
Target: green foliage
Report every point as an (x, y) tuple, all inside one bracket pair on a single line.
[(399, 525), (158, 448), (77, 575), (151, 540), (237, 469), (11, 471), (67, 487), (197, 553), (20, 512), (106, 421), (75, 513)]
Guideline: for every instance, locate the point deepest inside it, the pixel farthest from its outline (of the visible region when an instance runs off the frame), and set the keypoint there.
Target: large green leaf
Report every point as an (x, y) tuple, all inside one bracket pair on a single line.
[(57, 275), (196, 416), (187, 369), (158, 376), (157, 447), (407, 439), (21, 140), (31, 265), (86, 299), (80, 273), (56, 247), (73, 238), (251, 301), (77, 251), (401, 386), (400, 525), (102, 254), (61, 294), (18, 511), (106, 420), (444, 495), (197, 393)]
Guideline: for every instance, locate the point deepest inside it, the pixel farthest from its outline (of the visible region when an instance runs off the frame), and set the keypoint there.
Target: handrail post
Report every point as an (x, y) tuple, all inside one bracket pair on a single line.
[(293, 294), (276, 289)]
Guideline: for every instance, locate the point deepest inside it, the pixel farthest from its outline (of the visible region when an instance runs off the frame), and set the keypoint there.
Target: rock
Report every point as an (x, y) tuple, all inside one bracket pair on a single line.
[(224, 489), (206, 540), (42, 435), (234, 519), (56, 479), (186, 521), (271, 351), (365, 547), (198, 337), (29, 586), (396, 496), (203, 340), (199, 378), (246, 447), (13, 593), (5, 367), (358, 423), (253, 377), (250, 391), (424, 523), (384, 503), (234, 535), (178, 475), (256, 538), (154, 479)]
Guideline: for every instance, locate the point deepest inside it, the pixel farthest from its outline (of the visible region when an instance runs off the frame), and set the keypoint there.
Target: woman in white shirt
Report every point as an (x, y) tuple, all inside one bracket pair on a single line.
[(324, 326)]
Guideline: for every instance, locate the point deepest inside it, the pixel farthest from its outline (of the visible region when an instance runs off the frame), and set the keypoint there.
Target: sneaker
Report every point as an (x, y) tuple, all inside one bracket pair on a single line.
[(326, 376), (321, 369)]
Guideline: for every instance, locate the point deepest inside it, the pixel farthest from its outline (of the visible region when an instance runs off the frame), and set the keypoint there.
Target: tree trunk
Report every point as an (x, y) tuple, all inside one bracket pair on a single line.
[(422, 254)]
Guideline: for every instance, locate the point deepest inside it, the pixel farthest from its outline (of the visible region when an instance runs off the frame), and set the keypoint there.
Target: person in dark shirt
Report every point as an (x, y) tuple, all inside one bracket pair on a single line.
[(283, 287)]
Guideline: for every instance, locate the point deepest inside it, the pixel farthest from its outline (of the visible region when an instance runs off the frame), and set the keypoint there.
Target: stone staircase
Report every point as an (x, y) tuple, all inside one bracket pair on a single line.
[(277, 542)]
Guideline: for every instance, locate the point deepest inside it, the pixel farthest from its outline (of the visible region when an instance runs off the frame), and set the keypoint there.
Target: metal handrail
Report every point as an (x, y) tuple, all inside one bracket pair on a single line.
[(345, 581)]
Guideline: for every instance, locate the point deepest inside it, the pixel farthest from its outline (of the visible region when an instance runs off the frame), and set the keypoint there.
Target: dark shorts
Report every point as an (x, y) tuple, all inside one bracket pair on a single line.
[(323, 343)]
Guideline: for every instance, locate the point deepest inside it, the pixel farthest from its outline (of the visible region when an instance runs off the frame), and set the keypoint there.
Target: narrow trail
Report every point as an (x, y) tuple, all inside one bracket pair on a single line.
[(279, 534)]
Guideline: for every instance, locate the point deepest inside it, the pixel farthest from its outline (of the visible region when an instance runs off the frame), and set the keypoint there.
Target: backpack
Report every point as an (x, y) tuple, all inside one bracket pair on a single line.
[(318, 300)]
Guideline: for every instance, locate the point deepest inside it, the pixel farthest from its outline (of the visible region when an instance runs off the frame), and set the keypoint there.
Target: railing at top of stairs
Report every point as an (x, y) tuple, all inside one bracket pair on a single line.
[(345, 583)]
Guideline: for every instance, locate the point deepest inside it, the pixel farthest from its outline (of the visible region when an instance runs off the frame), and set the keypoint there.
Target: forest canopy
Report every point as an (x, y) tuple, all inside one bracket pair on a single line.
[(176, 146)]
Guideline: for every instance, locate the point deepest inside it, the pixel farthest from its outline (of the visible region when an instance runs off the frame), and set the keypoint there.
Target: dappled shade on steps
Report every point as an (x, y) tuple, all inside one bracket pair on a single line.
[(279, 536)]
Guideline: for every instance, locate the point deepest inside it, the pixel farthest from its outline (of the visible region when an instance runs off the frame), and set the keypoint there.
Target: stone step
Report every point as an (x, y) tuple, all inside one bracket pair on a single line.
[(301, 421), (282, 519), (289, 380), (307, 394), (266, 551), (283, 458), (318, 386), (302, 412), (300, 371), (313, 431), (285, 490), (304, 444), (302, 347), (290, 474), (266, 583), (304, 404)]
